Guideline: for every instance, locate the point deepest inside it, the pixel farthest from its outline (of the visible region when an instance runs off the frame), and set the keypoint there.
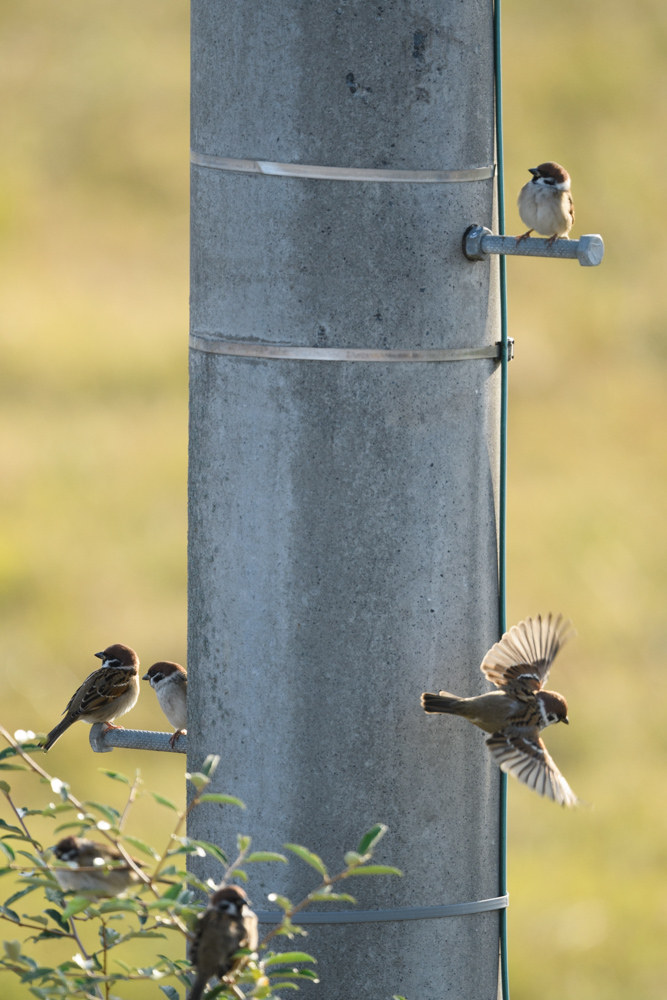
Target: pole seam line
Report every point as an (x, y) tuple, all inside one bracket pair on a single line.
[(245, 349), (399, 913), (268, 168)]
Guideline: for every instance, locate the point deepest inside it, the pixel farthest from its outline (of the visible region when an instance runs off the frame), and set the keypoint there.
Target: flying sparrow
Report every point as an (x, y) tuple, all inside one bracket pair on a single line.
[(170, 683), (514, 714), (227, 925), (107, 693), (545, 203), (92, 868)]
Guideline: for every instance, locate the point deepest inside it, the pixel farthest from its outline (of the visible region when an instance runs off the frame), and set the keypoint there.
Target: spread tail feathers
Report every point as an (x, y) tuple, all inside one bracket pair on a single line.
[(56, 733), (443, 703)]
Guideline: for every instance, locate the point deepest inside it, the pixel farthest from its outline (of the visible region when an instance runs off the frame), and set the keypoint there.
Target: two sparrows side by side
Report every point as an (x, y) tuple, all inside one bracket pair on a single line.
[(113, 689)]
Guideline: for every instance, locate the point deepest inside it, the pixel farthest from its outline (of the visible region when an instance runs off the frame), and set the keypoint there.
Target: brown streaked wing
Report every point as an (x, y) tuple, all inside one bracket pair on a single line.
[(100, 688), (520, 661), (526, 757)]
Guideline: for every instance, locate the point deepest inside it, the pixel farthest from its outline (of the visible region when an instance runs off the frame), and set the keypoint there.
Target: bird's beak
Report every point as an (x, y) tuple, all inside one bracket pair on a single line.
[(100, 655), (534, 171), (566, 721), (145, 677)]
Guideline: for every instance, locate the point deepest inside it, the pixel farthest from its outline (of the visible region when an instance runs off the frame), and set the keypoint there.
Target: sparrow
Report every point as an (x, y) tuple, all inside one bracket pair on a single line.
[(170, 683), (225, 926), (545, 203), (514, 714), (88, 867), (107, 693)]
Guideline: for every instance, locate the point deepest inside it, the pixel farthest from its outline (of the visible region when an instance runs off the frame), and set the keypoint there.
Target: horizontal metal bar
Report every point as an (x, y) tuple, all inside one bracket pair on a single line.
[(308, 171), (103, 741), (399, 913), (479, 242), (246, 349)]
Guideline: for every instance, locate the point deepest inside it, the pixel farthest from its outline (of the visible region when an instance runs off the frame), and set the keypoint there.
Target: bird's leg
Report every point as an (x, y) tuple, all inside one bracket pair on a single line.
[(175, 736), (552, 240), (109, 725), (524, 237)]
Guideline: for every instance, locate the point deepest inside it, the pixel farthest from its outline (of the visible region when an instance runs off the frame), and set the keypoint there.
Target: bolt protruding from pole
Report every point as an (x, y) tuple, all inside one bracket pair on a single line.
[(479, 242)]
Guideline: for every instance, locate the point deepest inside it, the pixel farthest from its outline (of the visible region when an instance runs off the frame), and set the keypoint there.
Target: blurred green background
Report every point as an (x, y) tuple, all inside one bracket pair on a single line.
[(93, 300)]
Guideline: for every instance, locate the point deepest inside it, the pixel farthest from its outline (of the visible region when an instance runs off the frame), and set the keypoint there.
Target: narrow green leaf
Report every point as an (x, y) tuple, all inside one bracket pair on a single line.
[(14, 829), (210, 764), (224, 800), (10, 914), (198, 779), (164, 802), (57, 917), (118, 905), (283, 902), (21, 893), (4, 787), (109, 813), (8, 849), (170, 992), (311, 859), (374, 870), (212, 849), (289, 956), (114, 775), (76, 905), (243, 842), (13, 767), (352, 859), (370, 839), (332, 897), (142, 846), (266, 856)]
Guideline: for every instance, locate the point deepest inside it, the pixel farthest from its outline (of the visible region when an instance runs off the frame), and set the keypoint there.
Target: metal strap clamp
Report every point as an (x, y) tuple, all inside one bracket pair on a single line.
[(308, 171), (399, 913), (249, 349)]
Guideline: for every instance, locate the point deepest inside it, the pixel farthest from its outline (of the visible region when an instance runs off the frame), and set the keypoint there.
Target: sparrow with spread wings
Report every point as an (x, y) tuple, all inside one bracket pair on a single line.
[(514, 714)]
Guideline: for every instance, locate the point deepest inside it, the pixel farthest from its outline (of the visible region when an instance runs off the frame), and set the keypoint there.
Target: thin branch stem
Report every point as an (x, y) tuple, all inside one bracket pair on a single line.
[(130, 799)]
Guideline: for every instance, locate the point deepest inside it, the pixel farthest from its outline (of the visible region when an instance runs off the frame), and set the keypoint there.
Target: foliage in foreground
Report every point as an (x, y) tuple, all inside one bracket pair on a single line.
[(164, 901)]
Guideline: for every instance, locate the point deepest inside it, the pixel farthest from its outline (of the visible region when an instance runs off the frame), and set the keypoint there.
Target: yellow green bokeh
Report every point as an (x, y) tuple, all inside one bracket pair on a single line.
[(93, 432)]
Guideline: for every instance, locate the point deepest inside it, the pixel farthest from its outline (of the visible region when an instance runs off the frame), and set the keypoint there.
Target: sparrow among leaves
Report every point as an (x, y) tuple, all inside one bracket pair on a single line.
[(545, 203), (93, 869), (226, 925), (170, 683), (107, 693), (514, 714)]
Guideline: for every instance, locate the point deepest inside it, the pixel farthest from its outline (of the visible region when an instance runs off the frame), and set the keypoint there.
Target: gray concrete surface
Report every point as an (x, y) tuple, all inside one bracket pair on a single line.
[(343, 515)]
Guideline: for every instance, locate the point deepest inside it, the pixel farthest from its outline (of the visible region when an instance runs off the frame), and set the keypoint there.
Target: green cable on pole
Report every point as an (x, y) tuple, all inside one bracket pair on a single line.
[(502, 527)]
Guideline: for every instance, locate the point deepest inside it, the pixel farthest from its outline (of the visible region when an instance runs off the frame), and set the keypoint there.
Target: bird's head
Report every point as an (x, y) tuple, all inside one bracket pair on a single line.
[(553, 708), (551, 175), (118, 655), (230, 900), (162, 670)]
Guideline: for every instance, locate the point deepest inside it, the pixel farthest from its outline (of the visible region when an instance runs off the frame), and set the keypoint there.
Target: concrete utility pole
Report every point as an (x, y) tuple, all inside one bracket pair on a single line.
[(343, 512)]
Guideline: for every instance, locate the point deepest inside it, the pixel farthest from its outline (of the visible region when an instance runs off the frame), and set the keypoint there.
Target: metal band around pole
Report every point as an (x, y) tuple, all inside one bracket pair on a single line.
[(303, 170), (400, 913), (245, 349)]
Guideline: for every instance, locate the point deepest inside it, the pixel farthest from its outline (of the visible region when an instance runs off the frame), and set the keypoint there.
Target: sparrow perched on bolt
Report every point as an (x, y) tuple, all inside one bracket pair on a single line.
[(514, 714), (106, 694), (92, 868), (226, 925), (545, 203), (170, 683)]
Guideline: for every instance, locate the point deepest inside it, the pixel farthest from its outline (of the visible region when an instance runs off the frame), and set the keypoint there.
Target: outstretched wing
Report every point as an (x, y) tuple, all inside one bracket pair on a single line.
[(525, 756), (520, 661)]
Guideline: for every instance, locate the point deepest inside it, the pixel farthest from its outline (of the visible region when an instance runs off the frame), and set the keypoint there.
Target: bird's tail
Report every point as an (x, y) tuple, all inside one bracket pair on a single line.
[(197, 989), (443, 703), (56, 733)]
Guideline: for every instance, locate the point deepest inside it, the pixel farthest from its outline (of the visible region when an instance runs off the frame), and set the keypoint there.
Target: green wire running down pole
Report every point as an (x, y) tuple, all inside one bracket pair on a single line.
[(502, 526)]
